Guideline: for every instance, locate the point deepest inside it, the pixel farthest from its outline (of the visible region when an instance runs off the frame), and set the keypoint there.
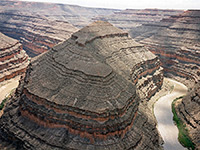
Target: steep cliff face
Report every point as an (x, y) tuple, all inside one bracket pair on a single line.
[(37, 34), (176, 41), (188, 111), (82, 94), (13, 59), (131, 18)]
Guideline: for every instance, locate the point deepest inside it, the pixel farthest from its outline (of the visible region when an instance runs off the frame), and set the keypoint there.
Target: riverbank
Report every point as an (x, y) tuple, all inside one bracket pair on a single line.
[(7, 86), (183, 136), (164, 116), (5, 89)]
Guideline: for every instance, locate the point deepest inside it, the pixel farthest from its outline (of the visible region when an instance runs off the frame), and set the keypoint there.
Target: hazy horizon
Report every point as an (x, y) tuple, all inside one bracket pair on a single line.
[(130, 4)]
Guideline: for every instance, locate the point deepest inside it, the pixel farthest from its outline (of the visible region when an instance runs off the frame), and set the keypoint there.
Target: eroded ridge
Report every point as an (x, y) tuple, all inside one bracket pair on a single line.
[(84, 96), (13, 59)]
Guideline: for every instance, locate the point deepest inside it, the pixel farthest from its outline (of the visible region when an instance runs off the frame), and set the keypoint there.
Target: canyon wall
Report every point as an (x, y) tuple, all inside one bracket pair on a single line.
[(188, 111), (131, 18), (37, 34), (176, 42), (83, 94), (172, 35), (13, 59), (77, 15), (40, 26)]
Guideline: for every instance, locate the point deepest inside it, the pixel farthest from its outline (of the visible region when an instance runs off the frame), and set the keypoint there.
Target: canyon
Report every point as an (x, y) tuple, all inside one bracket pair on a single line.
[(172, 35), (83, 94), (131, 18), (37, 34), (40, 26), (164, 116), (176, 42)]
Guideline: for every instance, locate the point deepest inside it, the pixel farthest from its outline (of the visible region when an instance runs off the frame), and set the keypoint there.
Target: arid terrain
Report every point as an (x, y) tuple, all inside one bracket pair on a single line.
[(91, 77)]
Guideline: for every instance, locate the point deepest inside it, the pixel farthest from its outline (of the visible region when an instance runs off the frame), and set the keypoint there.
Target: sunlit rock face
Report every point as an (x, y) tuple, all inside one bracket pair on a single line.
[(83, 94), (176, 42), (13, 59), (188, 110)]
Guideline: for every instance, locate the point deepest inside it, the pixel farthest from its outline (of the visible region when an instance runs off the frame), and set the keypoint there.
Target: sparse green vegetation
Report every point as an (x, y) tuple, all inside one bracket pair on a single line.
[(183, 137), (3, 103)]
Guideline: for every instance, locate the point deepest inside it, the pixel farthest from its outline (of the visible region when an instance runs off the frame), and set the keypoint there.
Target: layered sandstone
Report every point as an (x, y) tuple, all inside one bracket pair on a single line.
[(37, 27), (188, 111), (131, 18), (36, 33), (77, 15), (83, 94), (176, 41), (13, 59)]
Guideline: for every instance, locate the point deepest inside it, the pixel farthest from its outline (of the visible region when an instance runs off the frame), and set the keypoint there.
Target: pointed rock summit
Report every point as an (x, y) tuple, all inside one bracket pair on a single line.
[(83, 94)]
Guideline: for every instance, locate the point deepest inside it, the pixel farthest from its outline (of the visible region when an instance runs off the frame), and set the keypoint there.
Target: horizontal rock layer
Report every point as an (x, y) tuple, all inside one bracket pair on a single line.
[(36, 33), (13, 59), (176, 41), (83, 94), (29, 22), (131, 18), (77, 15)]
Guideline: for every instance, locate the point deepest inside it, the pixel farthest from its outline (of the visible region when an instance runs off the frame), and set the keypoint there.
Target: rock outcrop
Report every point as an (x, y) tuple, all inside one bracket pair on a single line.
[(176, 42), (36, 33), (83, 94), (13, 59), (188, 110)]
